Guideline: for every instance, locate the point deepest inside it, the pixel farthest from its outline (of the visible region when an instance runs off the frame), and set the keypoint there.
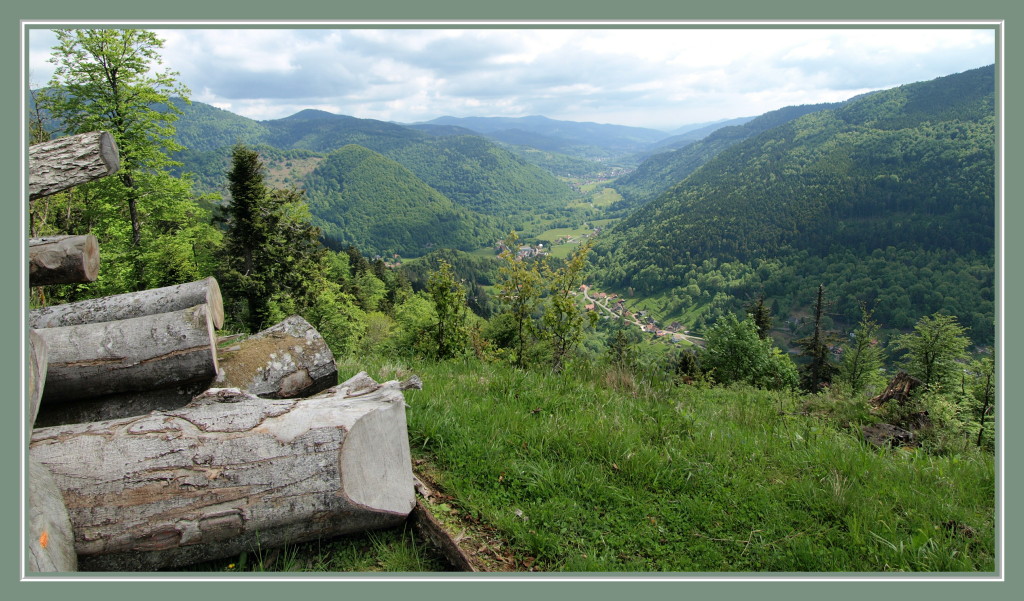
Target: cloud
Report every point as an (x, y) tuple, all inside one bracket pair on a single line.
[(649, 77)]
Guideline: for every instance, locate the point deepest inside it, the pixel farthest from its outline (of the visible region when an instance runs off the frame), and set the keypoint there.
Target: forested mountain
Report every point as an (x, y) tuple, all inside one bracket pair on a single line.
[(690, 134), (361, 198), (661, 171), (581, 140), (888, 199), (468, 169), (478, 174)]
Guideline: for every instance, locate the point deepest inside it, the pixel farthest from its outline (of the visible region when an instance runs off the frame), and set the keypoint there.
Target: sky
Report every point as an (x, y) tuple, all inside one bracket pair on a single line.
[(660, 78)]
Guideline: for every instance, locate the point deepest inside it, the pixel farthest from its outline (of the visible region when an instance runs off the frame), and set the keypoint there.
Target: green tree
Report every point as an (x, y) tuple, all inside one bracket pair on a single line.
[(271, 256), (520, 289), (563, 318), (762, 316), (864, 356), (105, 80), (820, 370), (735, 353), (449, 332), (935, 351)]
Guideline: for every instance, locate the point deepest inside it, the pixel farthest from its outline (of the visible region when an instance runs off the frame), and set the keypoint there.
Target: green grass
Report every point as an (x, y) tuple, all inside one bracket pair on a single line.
[(604, 471)]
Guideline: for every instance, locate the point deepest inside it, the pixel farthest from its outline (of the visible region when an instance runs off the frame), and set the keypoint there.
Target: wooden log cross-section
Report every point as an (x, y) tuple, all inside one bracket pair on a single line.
[(288, 360), (232, 472), (66, 162), (133, 304), (130, 354), (63, 260), (51, 543)]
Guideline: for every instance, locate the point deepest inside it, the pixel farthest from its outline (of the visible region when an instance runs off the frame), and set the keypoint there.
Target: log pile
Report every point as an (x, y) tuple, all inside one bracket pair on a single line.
[(155, 446)]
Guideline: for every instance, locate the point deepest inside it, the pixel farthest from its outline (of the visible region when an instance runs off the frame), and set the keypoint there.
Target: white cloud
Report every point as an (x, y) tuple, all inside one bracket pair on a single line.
[(649, 77)]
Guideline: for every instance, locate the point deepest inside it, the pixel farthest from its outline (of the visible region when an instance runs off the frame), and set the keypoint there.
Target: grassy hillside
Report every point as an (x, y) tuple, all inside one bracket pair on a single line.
[(690, 479)]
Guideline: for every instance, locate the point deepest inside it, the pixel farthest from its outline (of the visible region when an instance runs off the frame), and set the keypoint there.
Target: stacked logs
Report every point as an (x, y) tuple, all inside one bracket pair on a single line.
[(154, 445)]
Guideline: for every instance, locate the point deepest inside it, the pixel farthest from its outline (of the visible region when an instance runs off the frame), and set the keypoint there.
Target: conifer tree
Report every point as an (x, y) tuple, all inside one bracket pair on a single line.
[(820, 370), (864, 356), (762, 316), (272, 252)]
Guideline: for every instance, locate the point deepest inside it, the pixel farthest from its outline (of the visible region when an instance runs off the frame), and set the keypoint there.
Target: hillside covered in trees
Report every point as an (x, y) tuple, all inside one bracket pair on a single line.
[(361, 198), (887, 200)]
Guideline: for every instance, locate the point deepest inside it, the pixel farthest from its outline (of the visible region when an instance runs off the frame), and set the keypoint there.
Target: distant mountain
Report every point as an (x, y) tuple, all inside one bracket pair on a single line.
[(470, 170), (887, 199), (689, 134), (662, 171), (361, 198), (579, 139)]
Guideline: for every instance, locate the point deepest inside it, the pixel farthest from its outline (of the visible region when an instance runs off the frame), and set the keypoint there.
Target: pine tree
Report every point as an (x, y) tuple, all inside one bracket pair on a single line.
[(272, 254), (762, 317), (820, 370), (864, 356)]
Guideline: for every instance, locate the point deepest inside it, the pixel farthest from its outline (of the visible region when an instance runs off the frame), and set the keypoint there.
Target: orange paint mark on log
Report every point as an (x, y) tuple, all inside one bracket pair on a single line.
[(44, 539)]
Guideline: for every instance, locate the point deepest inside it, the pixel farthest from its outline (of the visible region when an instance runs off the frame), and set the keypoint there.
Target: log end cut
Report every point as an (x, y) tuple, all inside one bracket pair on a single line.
[(51, 543), (376, 463)]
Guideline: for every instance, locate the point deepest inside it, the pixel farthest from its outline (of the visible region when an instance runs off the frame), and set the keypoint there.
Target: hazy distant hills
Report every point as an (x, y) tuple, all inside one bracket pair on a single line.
[(908, 172), (661, 171)]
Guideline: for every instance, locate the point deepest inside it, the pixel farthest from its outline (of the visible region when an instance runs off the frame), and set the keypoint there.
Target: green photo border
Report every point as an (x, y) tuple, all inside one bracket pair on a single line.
[(525, 12)]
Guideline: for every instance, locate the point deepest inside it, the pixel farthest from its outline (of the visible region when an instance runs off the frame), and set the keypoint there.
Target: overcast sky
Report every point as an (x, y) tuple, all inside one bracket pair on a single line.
[(661, 78)]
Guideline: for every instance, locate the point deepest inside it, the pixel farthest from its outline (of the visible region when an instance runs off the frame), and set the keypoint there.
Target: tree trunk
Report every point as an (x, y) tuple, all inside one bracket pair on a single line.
[(230, 473), (37, 364), (63, 260), (288, 360), (133, 304), (70, 161), (145, 352), (120, 405), (51, 543)]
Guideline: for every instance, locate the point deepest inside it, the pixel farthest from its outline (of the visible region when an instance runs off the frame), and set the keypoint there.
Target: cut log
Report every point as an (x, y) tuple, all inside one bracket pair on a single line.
[(133, 304), (146, 352), (119, 405), (51, 543), (288, 360), (37, 363), (229, 473), (66, 162), (63, 260)]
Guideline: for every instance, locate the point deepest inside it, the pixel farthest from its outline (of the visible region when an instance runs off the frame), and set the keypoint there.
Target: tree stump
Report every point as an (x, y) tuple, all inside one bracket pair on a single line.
[(133, 304), (130, 354), (63, 260), (232, 472)]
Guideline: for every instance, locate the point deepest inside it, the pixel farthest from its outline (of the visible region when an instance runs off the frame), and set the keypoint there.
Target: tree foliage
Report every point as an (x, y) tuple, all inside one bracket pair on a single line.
[(735, 353), (936, 351), (864, 356), (448, 333), (563, 317)]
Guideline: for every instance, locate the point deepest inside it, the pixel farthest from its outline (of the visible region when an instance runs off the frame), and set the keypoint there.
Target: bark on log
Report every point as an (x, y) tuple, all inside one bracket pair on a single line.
[(146, 352), (51, 542), (119, 405), (288, 360), (63, 260), (66, 162), (37, 363), (231, 472), (133, 304)]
